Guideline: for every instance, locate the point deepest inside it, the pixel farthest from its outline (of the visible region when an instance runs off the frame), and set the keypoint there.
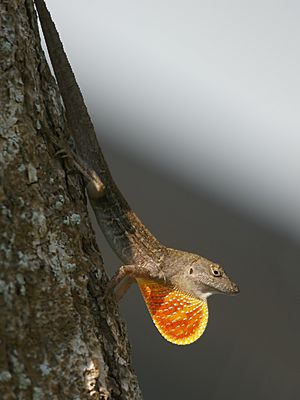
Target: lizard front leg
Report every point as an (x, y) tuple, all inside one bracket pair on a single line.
[(124, 277), (123, 287)]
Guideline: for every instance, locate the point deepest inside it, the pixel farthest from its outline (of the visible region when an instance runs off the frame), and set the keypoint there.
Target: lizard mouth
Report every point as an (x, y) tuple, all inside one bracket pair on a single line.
[(234, 289)]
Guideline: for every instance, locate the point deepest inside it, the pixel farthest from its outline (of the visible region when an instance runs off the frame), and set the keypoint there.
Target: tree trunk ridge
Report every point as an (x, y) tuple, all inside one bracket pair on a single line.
[(58, 339)]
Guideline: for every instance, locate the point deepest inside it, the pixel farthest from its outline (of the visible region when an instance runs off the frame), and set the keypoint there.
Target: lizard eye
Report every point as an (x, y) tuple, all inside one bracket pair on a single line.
[(216, 271), (191, 271)]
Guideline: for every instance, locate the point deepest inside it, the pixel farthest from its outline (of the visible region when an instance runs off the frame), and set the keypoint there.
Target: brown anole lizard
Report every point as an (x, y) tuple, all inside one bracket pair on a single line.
[(175, 284)]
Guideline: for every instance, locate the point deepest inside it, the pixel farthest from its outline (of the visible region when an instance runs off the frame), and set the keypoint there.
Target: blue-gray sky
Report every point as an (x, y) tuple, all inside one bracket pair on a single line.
[(208, 90)]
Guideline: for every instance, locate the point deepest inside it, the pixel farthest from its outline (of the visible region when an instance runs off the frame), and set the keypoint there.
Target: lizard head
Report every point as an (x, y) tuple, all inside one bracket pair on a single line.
[(200, 277), (177, 300)]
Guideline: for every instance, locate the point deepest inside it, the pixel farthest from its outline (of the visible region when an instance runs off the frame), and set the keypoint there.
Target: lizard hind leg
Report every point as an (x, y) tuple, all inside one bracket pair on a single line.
[(95, 186)]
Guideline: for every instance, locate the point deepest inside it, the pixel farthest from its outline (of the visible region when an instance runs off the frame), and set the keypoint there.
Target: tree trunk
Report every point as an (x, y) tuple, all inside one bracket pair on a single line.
[(58, 338)]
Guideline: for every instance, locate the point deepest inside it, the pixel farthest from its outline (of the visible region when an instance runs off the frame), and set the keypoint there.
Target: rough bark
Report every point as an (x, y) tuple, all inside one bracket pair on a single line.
[(58, 338)]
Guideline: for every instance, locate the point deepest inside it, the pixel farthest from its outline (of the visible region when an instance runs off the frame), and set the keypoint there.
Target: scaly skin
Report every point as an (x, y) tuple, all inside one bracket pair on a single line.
[(164, 275)]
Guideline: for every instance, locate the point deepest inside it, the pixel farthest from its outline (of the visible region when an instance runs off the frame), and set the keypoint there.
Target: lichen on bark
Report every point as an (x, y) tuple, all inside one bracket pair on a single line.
[(58, 338)]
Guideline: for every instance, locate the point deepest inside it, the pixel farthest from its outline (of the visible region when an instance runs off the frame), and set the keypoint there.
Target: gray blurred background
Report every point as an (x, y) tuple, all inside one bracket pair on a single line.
[(196, 104)]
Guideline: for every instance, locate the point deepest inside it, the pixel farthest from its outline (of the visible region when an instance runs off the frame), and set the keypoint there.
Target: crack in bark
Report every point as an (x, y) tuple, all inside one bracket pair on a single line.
[(58, 340)]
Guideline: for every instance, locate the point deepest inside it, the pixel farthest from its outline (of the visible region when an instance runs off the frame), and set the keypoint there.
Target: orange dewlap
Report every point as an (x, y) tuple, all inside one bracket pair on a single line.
[(180, 318)]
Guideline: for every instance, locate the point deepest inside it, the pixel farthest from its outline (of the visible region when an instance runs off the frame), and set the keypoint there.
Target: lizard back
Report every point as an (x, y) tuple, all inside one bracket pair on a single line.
[(127, 235)]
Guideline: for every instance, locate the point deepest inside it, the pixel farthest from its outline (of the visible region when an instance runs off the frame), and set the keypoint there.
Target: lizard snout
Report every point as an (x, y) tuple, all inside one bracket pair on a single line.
[(235, 289)]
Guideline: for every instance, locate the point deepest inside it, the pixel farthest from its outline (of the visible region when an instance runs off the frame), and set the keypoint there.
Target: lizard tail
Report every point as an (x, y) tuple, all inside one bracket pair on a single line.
[(77, 116)]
